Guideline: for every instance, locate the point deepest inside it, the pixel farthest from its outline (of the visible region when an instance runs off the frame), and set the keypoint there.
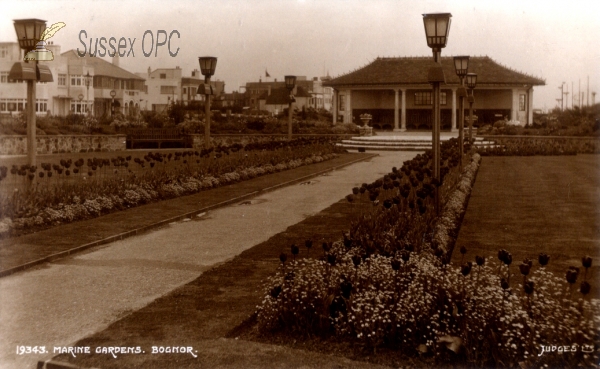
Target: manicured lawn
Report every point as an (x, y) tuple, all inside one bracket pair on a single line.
[(529, 205)]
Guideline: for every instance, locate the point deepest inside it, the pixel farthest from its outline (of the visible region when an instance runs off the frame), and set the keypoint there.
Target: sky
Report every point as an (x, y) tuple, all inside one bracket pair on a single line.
[(553, 40)]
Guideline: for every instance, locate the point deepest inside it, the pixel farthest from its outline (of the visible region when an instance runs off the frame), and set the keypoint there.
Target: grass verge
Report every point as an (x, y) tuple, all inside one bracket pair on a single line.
[(529, 205)]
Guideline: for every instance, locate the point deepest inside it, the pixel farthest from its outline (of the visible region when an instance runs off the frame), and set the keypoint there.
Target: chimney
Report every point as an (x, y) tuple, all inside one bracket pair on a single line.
[(115, 60), (275, 79), (149, 71), (269, 92), (54, 48)]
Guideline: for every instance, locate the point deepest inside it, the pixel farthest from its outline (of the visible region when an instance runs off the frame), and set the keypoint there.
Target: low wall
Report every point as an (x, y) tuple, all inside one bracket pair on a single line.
[(198, 140), (17, 145)]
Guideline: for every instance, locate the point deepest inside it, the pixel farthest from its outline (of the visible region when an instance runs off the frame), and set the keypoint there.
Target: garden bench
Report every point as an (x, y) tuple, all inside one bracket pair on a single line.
[(158, 135)]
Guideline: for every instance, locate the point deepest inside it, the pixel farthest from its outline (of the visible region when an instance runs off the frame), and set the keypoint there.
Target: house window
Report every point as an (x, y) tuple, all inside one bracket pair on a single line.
[(75, 80), (342, 105), (3, 52), (167, 90), (426, 98), (62, 79), (76, 107), (163, 76), (522, 102), (4, 77), (185, 90), (423, 98), (20, 106)]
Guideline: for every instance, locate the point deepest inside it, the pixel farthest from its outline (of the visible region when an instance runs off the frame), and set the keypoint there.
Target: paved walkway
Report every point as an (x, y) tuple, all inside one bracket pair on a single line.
[(29, 250), (61, 302)]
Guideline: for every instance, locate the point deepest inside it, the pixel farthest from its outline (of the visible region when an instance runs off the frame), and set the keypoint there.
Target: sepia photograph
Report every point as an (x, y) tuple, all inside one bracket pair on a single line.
[(299, 184)]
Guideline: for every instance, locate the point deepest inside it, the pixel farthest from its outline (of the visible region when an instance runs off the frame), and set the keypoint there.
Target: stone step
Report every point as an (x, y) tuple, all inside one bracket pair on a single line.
[(401, 138), (384, 148), (399, 143)]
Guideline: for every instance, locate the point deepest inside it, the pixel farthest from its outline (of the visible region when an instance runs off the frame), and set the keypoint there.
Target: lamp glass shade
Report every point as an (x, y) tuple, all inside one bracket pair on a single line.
[(208, 64), (29, 32), (80, 97), (113, 93), (461, 65), (437, 27), (290, 82), (471, 80)]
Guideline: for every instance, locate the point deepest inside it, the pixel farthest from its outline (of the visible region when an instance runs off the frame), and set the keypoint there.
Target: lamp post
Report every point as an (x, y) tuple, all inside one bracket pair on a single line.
[(290, 83), (80, 98), (88, 80), (113, 93), (437, 26), (29, 32), (471, 83), (208, 64), (461, 65), (562, 94)]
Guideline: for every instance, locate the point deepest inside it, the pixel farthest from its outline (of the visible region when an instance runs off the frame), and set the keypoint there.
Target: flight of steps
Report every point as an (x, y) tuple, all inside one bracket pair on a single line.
[(398, 143)]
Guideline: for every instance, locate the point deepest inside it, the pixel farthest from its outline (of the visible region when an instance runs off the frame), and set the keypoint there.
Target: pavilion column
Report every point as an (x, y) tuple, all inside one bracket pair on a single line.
[(403, 111), (348, 107), (514, 110), (453, 129), (396, 110), (335, 106), (530, 105)]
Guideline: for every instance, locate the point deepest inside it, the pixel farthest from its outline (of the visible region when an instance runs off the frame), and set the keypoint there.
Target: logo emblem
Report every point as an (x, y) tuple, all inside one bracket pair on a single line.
[(40, 53)]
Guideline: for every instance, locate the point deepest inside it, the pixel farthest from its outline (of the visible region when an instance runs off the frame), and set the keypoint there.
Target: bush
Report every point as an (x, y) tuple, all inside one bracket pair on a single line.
[(500, 124), (256, 124)]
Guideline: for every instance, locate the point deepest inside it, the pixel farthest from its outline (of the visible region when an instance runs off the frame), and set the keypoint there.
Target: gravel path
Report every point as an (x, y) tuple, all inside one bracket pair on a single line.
[(59, 303)]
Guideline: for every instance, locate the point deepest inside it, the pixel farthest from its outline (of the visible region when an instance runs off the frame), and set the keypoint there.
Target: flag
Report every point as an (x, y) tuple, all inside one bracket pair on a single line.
[(267, 73)]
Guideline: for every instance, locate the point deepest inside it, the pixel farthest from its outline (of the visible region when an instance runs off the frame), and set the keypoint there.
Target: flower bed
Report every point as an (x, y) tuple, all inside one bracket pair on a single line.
[(387, 283), (78, 189), (527, 146)]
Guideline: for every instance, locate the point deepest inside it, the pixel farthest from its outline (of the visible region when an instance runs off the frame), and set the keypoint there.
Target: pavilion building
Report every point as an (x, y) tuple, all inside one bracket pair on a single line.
[(396, 92)]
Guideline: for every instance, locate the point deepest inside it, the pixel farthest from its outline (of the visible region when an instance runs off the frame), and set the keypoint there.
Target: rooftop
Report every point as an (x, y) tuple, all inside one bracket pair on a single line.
[(414, 70), (102, 67)]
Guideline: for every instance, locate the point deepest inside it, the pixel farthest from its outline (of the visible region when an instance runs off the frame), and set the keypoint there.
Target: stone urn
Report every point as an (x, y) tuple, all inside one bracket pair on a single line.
[(366, 130), (366, 118)]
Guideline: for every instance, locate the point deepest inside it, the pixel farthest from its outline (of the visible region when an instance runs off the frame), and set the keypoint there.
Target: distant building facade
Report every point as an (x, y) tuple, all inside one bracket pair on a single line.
[(69, 93), (318, 96), (13, 94)]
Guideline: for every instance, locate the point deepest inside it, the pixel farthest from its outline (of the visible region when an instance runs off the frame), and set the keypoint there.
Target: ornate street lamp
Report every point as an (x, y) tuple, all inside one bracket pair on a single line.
[(29, 32), (471, 83), (461, 65), (113, 93), (290, 83), (437, 27), (88, 81), (208, 64)]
